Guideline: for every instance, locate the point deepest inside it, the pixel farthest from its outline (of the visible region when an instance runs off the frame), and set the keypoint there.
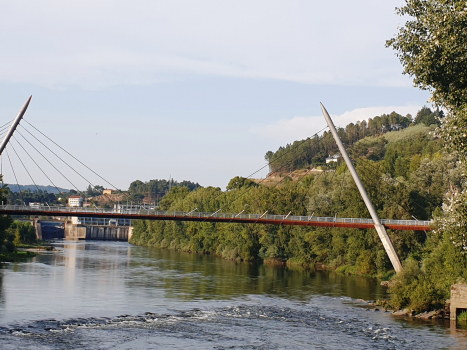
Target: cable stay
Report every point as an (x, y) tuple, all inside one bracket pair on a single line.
[(14, 173), (24, 167), (49, 162), (71, 155), (38, 166), (63, 149)]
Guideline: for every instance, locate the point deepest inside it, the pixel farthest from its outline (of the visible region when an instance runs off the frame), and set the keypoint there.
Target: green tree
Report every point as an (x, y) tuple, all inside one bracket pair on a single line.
[(426, 116), (432, 48), (5, 221), (239, 182), (17, 240)]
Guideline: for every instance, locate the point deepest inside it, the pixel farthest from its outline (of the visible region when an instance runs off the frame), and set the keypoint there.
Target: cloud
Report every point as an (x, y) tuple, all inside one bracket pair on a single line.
[(301, 127), (106, 43)]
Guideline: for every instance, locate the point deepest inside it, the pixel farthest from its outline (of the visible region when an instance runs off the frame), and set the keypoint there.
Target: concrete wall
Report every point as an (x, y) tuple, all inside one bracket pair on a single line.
[(107, 233), (104, 233), (458, 299), (49, 229), (75, 232), (38, 231)]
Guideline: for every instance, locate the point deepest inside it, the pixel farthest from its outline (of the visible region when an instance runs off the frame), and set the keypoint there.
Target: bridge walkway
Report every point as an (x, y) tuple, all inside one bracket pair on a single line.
[(147, 214)]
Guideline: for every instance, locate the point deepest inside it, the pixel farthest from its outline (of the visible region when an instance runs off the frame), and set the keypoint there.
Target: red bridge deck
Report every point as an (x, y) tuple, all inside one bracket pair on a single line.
[(146, 214)]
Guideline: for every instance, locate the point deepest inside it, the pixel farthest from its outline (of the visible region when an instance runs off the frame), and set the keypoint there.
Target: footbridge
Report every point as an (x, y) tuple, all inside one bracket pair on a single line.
[(147, 214), (39, 145)]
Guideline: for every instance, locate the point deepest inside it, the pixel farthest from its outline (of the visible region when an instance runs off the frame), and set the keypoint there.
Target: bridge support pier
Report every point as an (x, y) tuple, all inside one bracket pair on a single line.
[(383, 235)]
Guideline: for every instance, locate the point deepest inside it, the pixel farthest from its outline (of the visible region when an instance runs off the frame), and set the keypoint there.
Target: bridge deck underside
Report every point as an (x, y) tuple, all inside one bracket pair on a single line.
[(266, 221)]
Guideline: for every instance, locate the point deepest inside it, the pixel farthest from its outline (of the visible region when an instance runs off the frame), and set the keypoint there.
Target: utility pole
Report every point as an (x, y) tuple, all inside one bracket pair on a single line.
[(13, 126), (383, 236)]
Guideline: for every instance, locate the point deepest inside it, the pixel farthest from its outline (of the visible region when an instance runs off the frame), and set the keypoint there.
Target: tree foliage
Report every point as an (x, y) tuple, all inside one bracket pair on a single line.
[(154, 190), (314, 150), (432, 48)]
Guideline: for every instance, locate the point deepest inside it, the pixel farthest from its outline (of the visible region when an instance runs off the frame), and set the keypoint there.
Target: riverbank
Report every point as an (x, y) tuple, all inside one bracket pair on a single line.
[(16, 256), (25, 251)]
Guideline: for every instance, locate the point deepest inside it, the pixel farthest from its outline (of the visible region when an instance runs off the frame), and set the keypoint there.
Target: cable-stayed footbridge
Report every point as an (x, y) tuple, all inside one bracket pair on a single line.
[(241, 218), (42, 149)]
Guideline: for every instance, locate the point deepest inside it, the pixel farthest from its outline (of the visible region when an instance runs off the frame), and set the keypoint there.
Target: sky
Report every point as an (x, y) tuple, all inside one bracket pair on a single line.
[(193, 90)]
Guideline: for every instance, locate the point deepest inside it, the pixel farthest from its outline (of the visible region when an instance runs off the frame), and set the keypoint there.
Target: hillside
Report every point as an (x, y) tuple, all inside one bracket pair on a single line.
[(32, 188), (314, 151), (398, 147)]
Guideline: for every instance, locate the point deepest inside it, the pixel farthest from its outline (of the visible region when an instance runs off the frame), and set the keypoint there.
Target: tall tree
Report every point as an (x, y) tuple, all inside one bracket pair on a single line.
[(432, 48)]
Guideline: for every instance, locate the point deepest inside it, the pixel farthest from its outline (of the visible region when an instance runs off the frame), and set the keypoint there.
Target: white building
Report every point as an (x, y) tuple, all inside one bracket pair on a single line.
[(75, 201), (332, 159)]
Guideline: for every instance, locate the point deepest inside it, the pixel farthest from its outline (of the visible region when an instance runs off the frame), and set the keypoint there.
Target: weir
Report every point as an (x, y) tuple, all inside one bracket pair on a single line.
[(57, 229)]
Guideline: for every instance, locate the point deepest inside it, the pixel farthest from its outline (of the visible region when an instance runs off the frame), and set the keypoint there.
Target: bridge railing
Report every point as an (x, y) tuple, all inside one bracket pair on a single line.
[(181, 214)]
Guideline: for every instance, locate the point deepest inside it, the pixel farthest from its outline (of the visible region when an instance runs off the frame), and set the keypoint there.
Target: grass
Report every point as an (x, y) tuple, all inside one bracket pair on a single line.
[(410, 132), (16, 256)]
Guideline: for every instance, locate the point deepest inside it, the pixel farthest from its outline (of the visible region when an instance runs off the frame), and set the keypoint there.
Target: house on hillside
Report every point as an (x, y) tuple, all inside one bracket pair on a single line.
[(395, 127), (75, 201), (332, 159), (108, 191)]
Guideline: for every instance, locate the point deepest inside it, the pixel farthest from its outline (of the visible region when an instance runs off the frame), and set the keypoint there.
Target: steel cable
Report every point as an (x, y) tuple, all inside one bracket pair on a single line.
[(87, 167), (71, 155), (38, 166), (14, 173), (48, 161), (24, 167)]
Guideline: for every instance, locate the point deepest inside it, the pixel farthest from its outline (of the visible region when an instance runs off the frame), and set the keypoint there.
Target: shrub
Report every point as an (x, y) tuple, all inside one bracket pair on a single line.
[(462, 317), (10, 247)]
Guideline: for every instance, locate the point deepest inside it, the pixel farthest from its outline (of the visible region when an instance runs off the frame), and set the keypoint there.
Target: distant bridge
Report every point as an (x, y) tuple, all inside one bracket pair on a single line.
[(147, 214)]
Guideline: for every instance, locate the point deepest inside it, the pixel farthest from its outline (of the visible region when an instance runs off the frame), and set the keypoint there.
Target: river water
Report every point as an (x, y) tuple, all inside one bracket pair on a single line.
[(109, 295)]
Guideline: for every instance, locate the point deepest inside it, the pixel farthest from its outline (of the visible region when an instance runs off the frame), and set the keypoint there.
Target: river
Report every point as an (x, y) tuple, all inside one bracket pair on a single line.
[(109, 295)]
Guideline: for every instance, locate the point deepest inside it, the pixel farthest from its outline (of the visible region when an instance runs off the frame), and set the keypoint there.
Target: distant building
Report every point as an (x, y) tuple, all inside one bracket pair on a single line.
[(34, 204), (332, 159), (75, 201), (86, 204), (109, 191)]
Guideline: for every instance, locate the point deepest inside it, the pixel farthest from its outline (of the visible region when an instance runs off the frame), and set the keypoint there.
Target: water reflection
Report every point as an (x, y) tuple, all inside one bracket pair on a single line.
[(191, 276), (106, 278), (2, 294)]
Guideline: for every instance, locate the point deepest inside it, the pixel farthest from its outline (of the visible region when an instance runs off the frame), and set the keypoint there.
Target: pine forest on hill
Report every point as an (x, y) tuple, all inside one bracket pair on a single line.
[(313, 151)]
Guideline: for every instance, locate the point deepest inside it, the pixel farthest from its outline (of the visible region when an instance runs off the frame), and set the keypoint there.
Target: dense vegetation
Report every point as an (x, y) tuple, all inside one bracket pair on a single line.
[(154, 190), (313, 151), (27, 196), (138, 191), (13, 233), (405, 172), (432, 49)]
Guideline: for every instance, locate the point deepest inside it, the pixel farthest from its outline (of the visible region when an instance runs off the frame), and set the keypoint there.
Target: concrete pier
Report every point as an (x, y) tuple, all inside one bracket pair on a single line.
[(458, 300)]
